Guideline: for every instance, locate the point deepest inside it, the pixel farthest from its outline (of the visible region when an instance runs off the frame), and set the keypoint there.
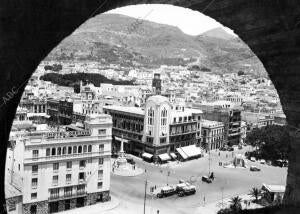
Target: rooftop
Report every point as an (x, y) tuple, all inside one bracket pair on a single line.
[(210, 123), (128, 109)]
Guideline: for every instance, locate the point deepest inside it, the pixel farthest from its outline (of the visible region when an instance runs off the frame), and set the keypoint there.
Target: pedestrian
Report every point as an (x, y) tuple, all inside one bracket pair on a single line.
[(219, 153), (157, 211), (226, 155), (155, 187)]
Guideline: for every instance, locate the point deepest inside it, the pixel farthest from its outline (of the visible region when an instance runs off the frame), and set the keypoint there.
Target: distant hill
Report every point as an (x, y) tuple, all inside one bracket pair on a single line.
[(130, 42), (219, 33)]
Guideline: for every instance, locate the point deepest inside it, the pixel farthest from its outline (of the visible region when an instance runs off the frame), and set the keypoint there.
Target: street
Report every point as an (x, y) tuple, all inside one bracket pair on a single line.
[(228, 182)]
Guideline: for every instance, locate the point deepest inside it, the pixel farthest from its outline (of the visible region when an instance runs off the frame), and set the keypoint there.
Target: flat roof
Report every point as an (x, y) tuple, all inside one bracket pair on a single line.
[(127, 109), (274, 188), (210, 123)]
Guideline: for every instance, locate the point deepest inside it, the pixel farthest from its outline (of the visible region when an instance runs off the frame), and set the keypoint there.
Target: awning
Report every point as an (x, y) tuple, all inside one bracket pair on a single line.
[(191, 151), (147, 155), (181, 153), (173, 155), (38, 115), (164, 157)]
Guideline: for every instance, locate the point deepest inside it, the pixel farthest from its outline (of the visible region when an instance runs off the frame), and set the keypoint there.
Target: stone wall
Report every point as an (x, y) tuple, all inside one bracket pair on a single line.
[(31, 29)]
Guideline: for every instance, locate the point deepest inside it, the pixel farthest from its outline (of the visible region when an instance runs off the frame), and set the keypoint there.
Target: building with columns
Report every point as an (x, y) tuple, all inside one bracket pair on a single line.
[(64, 169)]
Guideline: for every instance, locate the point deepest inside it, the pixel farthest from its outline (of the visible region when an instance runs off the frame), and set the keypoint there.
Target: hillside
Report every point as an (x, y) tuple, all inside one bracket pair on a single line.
[(125, 41)]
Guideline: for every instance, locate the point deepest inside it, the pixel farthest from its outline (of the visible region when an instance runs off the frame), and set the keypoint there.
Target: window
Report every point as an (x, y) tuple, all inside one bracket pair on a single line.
[(90, 148), (55, 166), (35, 153), (64, 150), (69, 150), (68, 177), (82, 163), (80, 189), (100, 161), (53, 151), (35, 169), (84, 148), (81, 176), (33, 196), (68, 191), (79, 149), (59, 151), (55, 179), (101, 147), (100, 184), (34, 182), (47, 152), (54, 193), (69, 165), (100, 174), (74, 149), (102, 131)]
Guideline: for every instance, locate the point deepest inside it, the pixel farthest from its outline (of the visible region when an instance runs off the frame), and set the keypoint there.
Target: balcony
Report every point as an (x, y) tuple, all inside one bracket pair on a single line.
[(67, 196), (67, 157)]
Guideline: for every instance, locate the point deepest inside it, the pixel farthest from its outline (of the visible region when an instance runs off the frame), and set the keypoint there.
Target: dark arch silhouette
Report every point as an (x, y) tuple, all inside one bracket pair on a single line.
[(30, 29)]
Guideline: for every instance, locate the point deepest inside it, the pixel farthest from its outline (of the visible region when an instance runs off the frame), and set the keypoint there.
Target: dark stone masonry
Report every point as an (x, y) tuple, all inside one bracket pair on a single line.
[(31, 29)]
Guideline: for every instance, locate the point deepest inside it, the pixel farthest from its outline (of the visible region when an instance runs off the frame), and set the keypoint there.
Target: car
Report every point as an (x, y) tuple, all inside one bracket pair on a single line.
[(166, 191), (206, 179), (187, 190), (223, 149), (254, 168), (262, 161), (253, 159)]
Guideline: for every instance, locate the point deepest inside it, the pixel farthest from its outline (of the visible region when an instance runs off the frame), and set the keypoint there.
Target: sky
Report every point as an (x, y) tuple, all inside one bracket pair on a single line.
[(189, 21)]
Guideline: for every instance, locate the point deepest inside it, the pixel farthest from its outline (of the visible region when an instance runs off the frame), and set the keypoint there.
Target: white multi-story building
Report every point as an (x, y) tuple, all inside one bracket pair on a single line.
[(65, 169)]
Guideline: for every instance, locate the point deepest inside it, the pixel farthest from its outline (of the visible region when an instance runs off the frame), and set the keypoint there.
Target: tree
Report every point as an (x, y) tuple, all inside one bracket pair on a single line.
[(255, 193), (236, 204), (240, 73)]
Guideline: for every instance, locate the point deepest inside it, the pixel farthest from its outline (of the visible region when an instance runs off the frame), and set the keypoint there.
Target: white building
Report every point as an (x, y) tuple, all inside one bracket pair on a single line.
[(63, 170)]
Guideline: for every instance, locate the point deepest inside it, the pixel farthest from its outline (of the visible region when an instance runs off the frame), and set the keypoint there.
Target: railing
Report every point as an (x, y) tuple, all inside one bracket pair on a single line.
[(67, 196), (67, 156)]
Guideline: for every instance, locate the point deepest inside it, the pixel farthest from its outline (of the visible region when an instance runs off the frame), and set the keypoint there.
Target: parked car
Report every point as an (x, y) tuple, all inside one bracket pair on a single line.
[(254, 168), (223, 149), (187, 190), (206, 179), (253, 159), (166, 191)]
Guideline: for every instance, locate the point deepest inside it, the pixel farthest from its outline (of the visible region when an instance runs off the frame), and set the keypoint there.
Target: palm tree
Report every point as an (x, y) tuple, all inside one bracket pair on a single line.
[(255, 193), (236, 204)]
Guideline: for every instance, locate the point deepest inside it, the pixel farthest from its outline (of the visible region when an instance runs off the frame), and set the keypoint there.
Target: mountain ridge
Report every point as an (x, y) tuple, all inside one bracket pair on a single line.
[(129, 42)]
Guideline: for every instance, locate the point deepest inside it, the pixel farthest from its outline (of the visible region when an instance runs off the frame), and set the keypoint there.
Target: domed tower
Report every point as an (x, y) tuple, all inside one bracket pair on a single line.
[(157, 119)]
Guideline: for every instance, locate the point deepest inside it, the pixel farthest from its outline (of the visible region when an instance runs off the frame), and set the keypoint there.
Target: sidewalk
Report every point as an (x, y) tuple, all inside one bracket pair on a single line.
[(96, 208)]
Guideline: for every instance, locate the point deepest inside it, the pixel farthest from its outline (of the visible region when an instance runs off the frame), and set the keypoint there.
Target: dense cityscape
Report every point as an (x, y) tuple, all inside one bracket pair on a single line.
[(109, 139)]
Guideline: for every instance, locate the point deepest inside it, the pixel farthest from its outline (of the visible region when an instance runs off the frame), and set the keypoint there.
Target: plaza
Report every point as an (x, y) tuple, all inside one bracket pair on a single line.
[(228, 182)]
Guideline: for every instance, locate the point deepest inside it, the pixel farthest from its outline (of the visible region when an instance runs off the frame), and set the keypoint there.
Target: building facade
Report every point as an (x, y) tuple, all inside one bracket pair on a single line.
[(213, 134), (60, 111), (157, 129), (66, 169)]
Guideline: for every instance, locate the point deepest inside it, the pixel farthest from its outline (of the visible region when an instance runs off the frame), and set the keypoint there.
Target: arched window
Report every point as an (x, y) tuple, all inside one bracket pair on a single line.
[(59, 151), (90, 148), (84, 148), (64, 150), (53, 151), (74, 149), (48, 152), (79, 149), (69, 150)]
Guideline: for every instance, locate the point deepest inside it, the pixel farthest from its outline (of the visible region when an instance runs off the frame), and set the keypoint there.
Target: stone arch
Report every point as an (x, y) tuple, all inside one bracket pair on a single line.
[(31, 29)]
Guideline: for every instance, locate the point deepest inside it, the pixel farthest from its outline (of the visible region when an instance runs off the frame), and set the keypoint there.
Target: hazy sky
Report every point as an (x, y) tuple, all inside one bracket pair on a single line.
[(189, 21)]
